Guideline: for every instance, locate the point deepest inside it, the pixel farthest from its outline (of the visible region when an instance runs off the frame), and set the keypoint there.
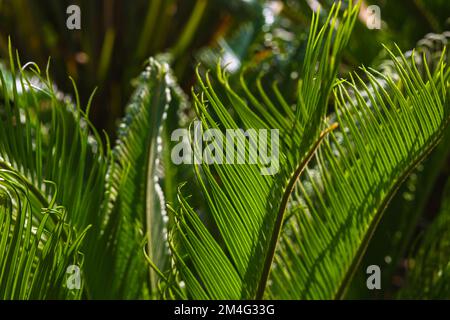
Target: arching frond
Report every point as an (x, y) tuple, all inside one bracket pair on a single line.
[(136, 177), (44, 136), (36, 244), (429, 268), (247, 202), (382, 138)]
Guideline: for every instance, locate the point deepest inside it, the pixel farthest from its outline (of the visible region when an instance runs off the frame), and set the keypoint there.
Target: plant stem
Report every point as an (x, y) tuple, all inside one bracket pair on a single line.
[(281, 212)]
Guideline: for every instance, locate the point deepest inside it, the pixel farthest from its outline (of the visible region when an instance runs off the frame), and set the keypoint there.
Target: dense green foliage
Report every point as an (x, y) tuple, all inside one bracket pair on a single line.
[(363, 156)]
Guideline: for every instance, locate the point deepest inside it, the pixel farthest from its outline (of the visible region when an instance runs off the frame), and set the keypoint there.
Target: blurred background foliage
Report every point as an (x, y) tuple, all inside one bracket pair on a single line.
[(116, 36), (260, 38)]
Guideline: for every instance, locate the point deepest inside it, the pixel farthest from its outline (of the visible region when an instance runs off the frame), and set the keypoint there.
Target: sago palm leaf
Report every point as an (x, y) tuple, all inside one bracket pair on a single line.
[(247, 202), (113, 191), (136, 179), (36, 243), (43, 132), (379, 146), (45, 137), (325, 237)]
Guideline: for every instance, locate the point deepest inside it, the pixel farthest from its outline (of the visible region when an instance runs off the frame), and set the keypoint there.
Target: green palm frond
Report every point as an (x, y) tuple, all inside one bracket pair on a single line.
[(275, 189), (246, 203), (41, 132), (36, 243), (378, 148), (136, 179), (382, 139), (409, 205)]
